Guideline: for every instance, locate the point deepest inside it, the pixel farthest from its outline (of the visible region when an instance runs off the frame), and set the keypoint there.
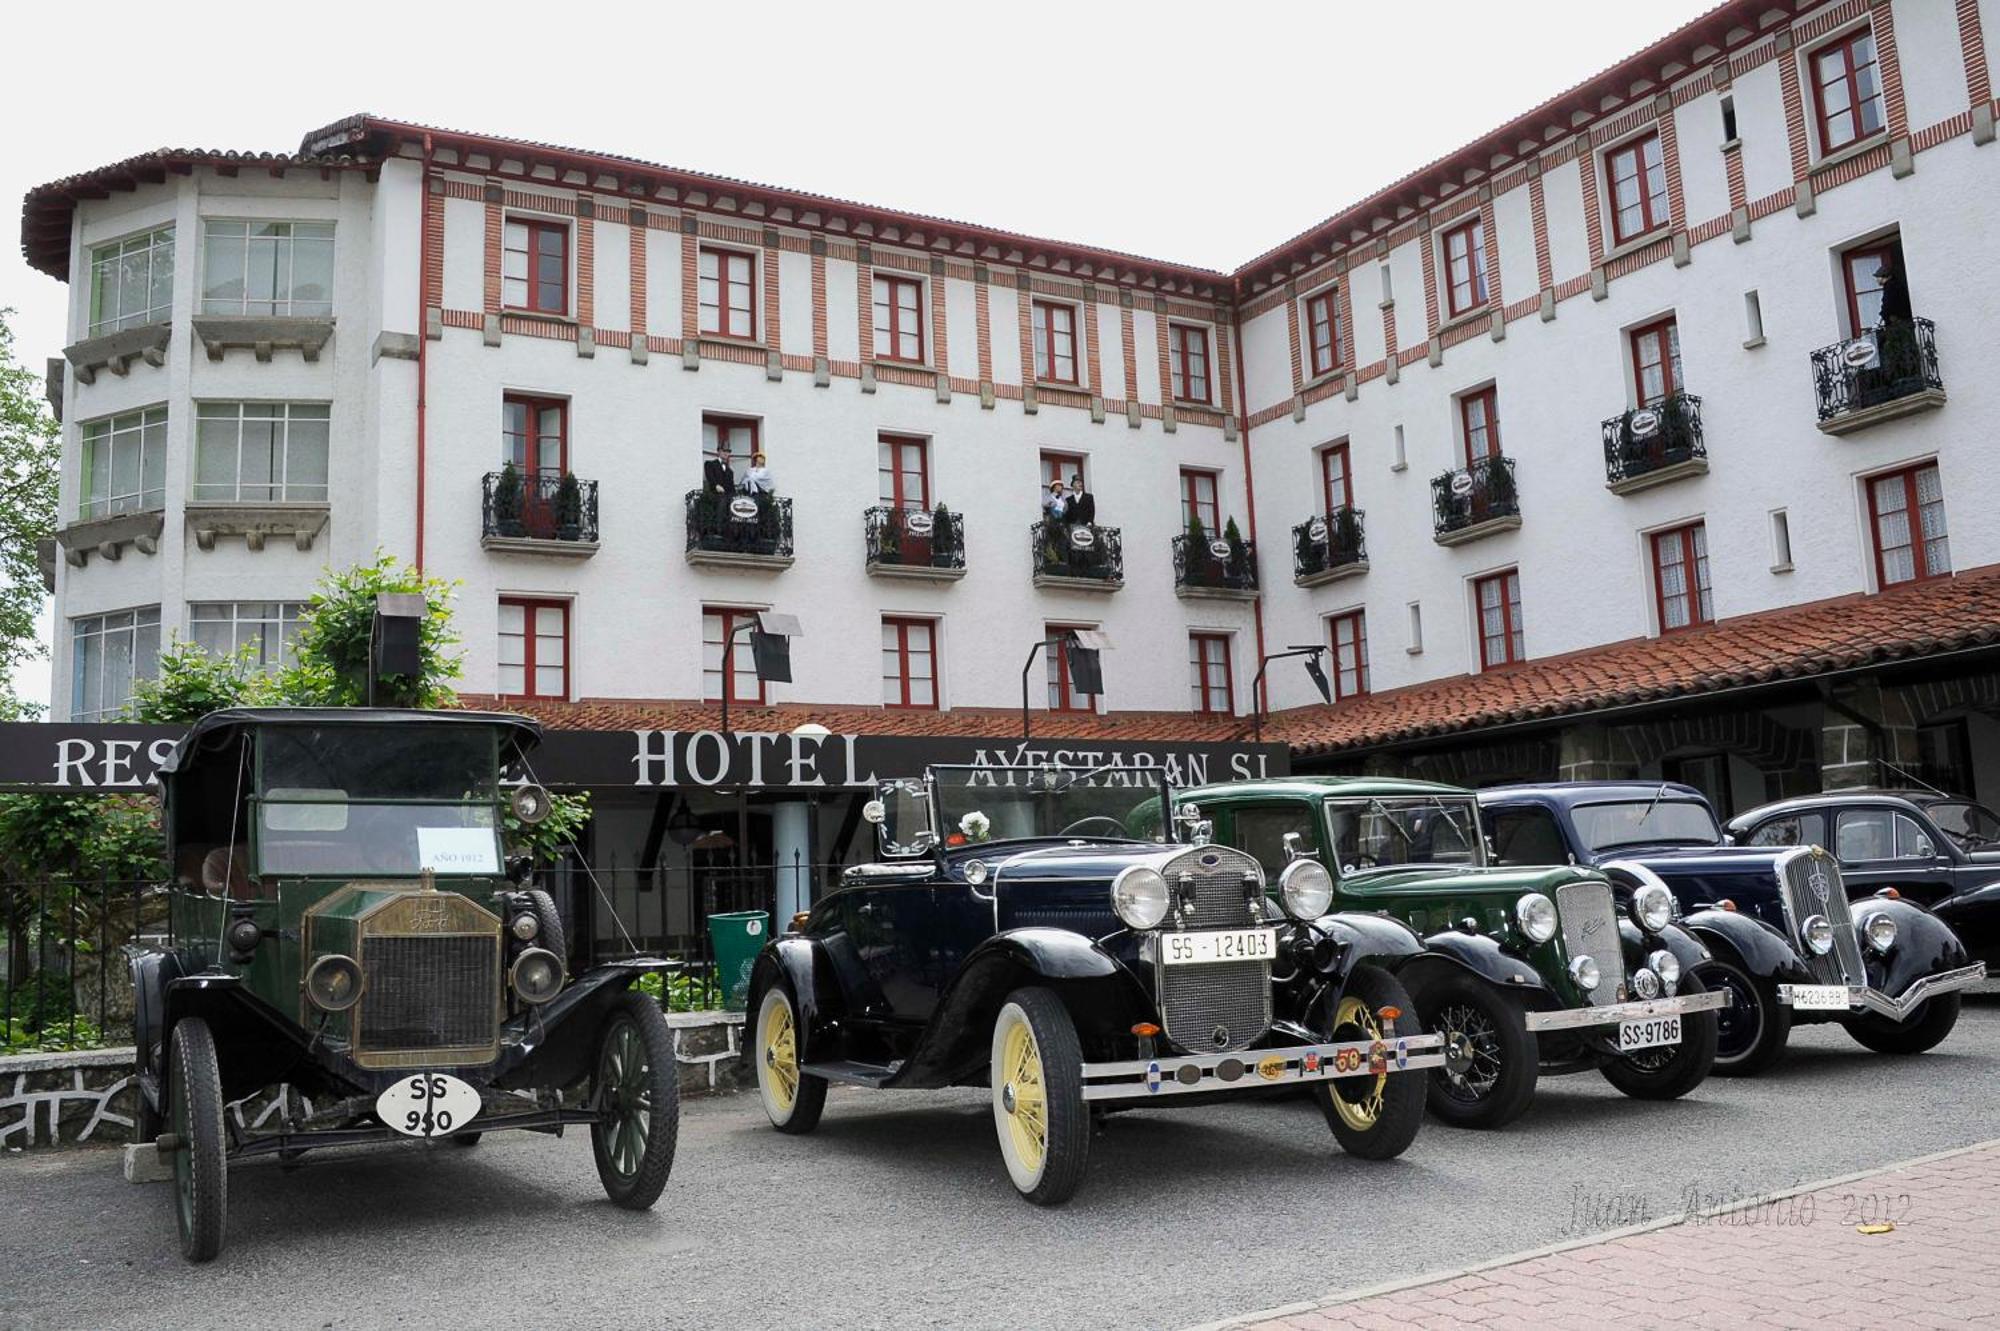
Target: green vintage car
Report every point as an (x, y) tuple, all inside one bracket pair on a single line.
[(1524, 971)]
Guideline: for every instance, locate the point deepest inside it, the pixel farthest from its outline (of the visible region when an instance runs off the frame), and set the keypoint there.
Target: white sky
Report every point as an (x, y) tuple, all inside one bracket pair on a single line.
[(1099, 124)]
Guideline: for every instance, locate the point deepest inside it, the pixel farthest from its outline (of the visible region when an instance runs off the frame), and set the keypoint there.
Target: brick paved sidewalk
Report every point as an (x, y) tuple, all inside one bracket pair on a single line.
[(1785, 1260)]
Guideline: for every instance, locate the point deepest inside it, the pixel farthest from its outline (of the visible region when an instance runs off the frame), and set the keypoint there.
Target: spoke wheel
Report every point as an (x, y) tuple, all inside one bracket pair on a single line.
[(1491, 1061), (1670, 1071), (1358, 1100), (194, 1113), (793, 1099), (636, 1093), (1038, 1109), (1472, 1053), (1373, 1116)]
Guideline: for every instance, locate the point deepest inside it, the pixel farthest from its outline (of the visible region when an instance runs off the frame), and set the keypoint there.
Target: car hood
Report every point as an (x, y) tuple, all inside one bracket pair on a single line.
[(1061, 858), (1465, 880), (1695, 857)]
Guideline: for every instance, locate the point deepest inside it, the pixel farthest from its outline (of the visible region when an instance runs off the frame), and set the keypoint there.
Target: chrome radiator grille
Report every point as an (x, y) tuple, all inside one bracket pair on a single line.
[(1810, 885), (1223, 1006), (428, 993), (1590, 928)]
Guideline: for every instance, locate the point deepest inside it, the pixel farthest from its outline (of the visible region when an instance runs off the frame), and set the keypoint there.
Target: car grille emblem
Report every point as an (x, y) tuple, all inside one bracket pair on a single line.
[(1816, 883), (1589, 929), (1209, 861), (1221, 1037)]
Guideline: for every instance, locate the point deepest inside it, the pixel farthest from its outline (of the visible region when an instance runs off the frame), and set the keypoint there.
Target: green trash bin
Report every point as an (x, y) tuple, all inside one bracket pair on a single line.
[(737, 936)]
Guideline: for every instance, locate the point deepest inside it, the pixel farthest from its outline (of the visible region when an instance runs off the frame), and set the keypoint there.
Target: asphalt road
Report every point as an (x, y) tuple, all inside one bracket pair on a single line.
[(896, 1213)]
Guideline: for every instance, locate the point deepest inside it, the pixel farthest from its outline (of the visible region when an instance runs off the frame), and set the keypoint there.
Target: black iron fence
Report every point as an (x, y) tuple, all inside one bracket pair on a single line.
[(1077, 550), (1649, 438), (1320, 545), (1897, 360), (63, 978), (919, 538), (540, 507), (1215, 562), (739, 524), (1482, 492)]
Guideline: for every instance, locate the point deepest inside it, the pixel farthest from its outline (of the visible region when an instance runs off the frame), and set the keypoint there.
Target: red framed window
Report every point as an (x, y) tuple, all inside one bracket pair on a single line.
[(1858, 269), (899, 319), (728, 307), (1209, 678), (1060, 467), (534, 434), (1323, 330), (534, 648), (534, 266), (1349, 633), (1680, 577), (1656, 361), (1479, 424), (903, 466), (909, 663), (1063, 696), (1465, 267), (1198, 501), (1336, 478), (1635, 179), (1498, 598), (1187, 354), (1906, 513), (1055, 342), (739, 432), (717, 624), (1847, 90)]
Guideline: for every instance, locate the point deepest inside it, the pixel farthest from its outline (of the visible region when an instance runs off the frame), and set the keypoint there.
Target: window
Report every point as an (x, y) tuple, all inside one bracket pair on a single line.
[(909, 663), (739, 432), (1847, 90), (1796, 830), (262, 630), (1350, 654), (1336, 478), (1781, 541), (1465, 268), (1656, 361), (1858, 273), (249, 452), (1528, 835), (1706, 772), (1879, 834), (534, 648), (132, 282), (726, 308), (534, 434), (899, 320), (741, 678), (1479, 424), (903, 462), (1635, 177), (124, 464), (1728, 120), (1063, 694), (534, 267), (1944, 761), (1061, 467), (1209, 681), (1187, 348), (1680, 577), (1907, 551), (1260, 831), (1055, 342), (1323, 331), (1198, 500), (108, 652), (273, 268), (1499, 601)]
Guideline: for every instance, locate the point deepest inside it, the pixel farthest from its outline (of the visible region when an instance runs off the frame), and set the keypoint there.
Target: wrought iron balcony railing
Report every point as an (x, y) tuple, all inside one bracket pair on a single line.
[(540, 506), (930, 542), (1210, 563), (1464, 501), (1898, 360), (1326, 546), (1652, 438), (1078, 551), (754, 526)]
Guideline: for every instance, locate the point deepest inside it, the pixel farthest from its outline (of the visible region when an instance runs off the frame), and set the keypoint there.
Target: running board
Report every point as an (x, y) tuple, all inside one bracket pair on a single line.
[(849, 1073)]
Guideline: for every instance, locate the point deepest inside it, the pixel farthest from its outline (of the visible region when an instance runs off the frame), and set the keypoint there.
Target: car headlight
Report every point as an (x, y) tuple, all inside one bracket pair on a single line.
[(1645, 984), (333, 983), (1880, 931), (1818, 933), (1667, 966), (537, 975), (1653, 907), (1305, 889), (1139, 895), (1537, 916), (525, 926), (1584, 971)]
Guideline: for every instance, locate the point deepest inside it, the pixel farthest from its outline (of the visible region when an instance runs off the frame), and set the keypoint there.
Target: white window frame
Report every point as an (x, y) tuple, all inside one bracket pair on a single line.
[(97, 629), (248, 622), (154, 243), (143, 428), (284, 257), (279, 489)]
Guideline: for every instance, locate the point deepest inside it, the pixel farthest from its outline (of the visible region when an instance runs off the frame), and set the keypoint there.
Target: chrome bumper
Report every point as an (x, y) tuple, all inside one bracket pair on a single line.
[(1860, 997), (1145, 1079), (1576, 1018)]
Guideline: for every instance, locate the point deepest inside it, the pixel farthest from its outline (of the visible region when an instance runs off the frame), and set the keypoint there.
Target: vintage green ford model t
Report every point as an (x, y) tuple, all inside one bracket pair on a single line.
[(346, 922)]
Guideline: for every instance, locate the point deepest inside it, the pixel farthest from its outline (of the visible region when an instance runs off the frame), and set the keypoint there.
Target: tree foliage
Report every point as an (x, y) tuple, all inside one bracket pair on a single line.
[(331, 665), (29, 466)]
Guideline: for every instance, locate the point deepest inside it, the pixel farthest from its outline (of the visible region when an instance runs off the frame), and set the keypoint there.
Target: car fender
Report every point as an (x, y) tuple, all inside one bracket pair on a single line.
[(1924, 944), (1639, 945), (1455, 952), (798, 961), (1752, 944), (255, 1044), (151, 971), (564, 1031), (1380, 940)]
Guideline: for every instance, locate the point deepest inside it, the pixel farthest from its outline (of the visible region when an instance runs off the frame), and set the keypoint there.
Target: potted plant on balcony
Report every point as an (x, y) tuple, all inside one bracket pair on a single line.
[(1310, 555), (889, 536), (944, 537), (1344, 537), (1239, 553), (1499, 489), (507, 502), (569, 508)]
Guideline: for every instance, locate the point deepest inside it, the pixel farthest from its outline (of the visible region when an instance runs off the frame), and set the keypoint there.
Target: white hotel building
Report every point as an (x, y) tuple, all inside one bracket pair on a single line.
[(1646, 434)]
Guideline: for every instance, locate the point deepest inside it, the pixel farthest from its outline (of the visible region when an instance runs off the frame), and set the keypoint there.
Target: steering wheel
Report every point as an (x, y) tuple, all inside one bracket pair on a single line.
[(1077, 828)]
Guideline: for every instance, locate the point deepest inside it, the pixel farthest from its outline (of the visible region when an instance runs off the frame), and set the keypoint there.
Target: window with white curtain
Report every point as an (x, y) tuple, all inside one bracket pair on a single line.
[(261, 452), (269, 268), (108, 652), (263, 630)]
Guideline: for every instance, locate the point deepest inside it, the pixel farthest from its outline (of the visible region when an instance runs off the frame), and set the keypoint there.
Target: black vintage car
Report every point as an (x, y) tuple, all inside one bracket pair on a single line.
[(1940, 851), (1042, 933), (1788, 944), (345, 921)]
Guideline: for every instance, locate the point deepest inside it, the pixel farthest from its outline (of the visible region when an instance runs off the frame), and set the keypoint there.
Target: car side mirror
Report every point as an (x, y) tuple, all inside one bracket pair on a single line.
[(1292, 847)]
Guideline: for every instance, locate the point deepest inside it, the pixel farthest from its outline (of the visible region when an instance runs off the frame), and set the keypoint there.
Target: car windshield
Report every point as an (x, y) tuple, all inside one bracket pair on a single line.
[(1645, 822), (1970, 825), (1387, 832), (378, 799), (977, 804)]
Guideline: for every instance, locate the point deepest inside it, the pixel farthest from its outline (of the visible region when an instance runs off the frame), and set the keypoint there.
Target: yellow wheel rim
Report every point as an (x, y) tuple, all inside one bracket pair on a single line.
[(1360, 1112), (781, 1057), (1024, 1097)]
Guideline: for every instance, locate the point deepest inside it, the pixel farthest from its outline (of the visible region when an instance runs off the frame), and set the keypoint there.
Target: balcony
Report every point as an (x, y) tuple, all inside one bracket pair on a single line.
[(739, 531), (1478, 501), (538, 514), (1077, 556), (915, 543), (1215, 566), (1653, 445), (1329, 548), (1886, 372)]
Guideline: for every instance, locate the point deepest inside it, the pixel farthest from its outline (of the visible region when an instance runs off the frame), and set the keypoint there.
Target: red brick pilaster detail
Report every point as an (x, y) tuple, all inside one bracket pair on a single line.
[(1491, 231), (1882, 14), (1093, 368), (1670, 156), (1795, 112), (1129, 336), (819, 298), (434, 234), (637, 231), (1427, 239), (586, 264), (495, 221), (1293, 336), (1024, 296), (940, 333), (864, 286), (1225, 365), (1166, 356), (1732, 169), (982, 320), (1346, 315), (690, 278), (770, 330), (1389, 323), (1978, 75), (1538, 217), (1587, 167)]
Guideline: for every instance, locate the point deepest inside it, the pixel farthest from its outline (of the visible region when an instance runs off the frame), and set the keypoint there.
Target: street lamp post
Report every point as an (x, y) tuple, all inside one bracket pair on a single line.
[(771, 637), (1312, 653), (1080, 647)]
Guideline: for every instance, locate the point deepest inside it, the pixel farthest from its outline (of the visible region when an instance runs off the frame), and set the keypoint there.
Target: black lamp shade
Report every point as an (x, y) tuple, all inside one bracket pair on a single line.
[(1086, 674), (1318, 673), (772, 653)]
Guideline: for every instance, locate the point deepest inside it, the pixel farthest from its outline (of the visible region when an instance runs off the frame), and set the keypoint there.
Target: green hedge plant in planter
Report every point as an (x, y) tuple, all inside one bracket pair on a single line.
[(569, 508), (507, 502)]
